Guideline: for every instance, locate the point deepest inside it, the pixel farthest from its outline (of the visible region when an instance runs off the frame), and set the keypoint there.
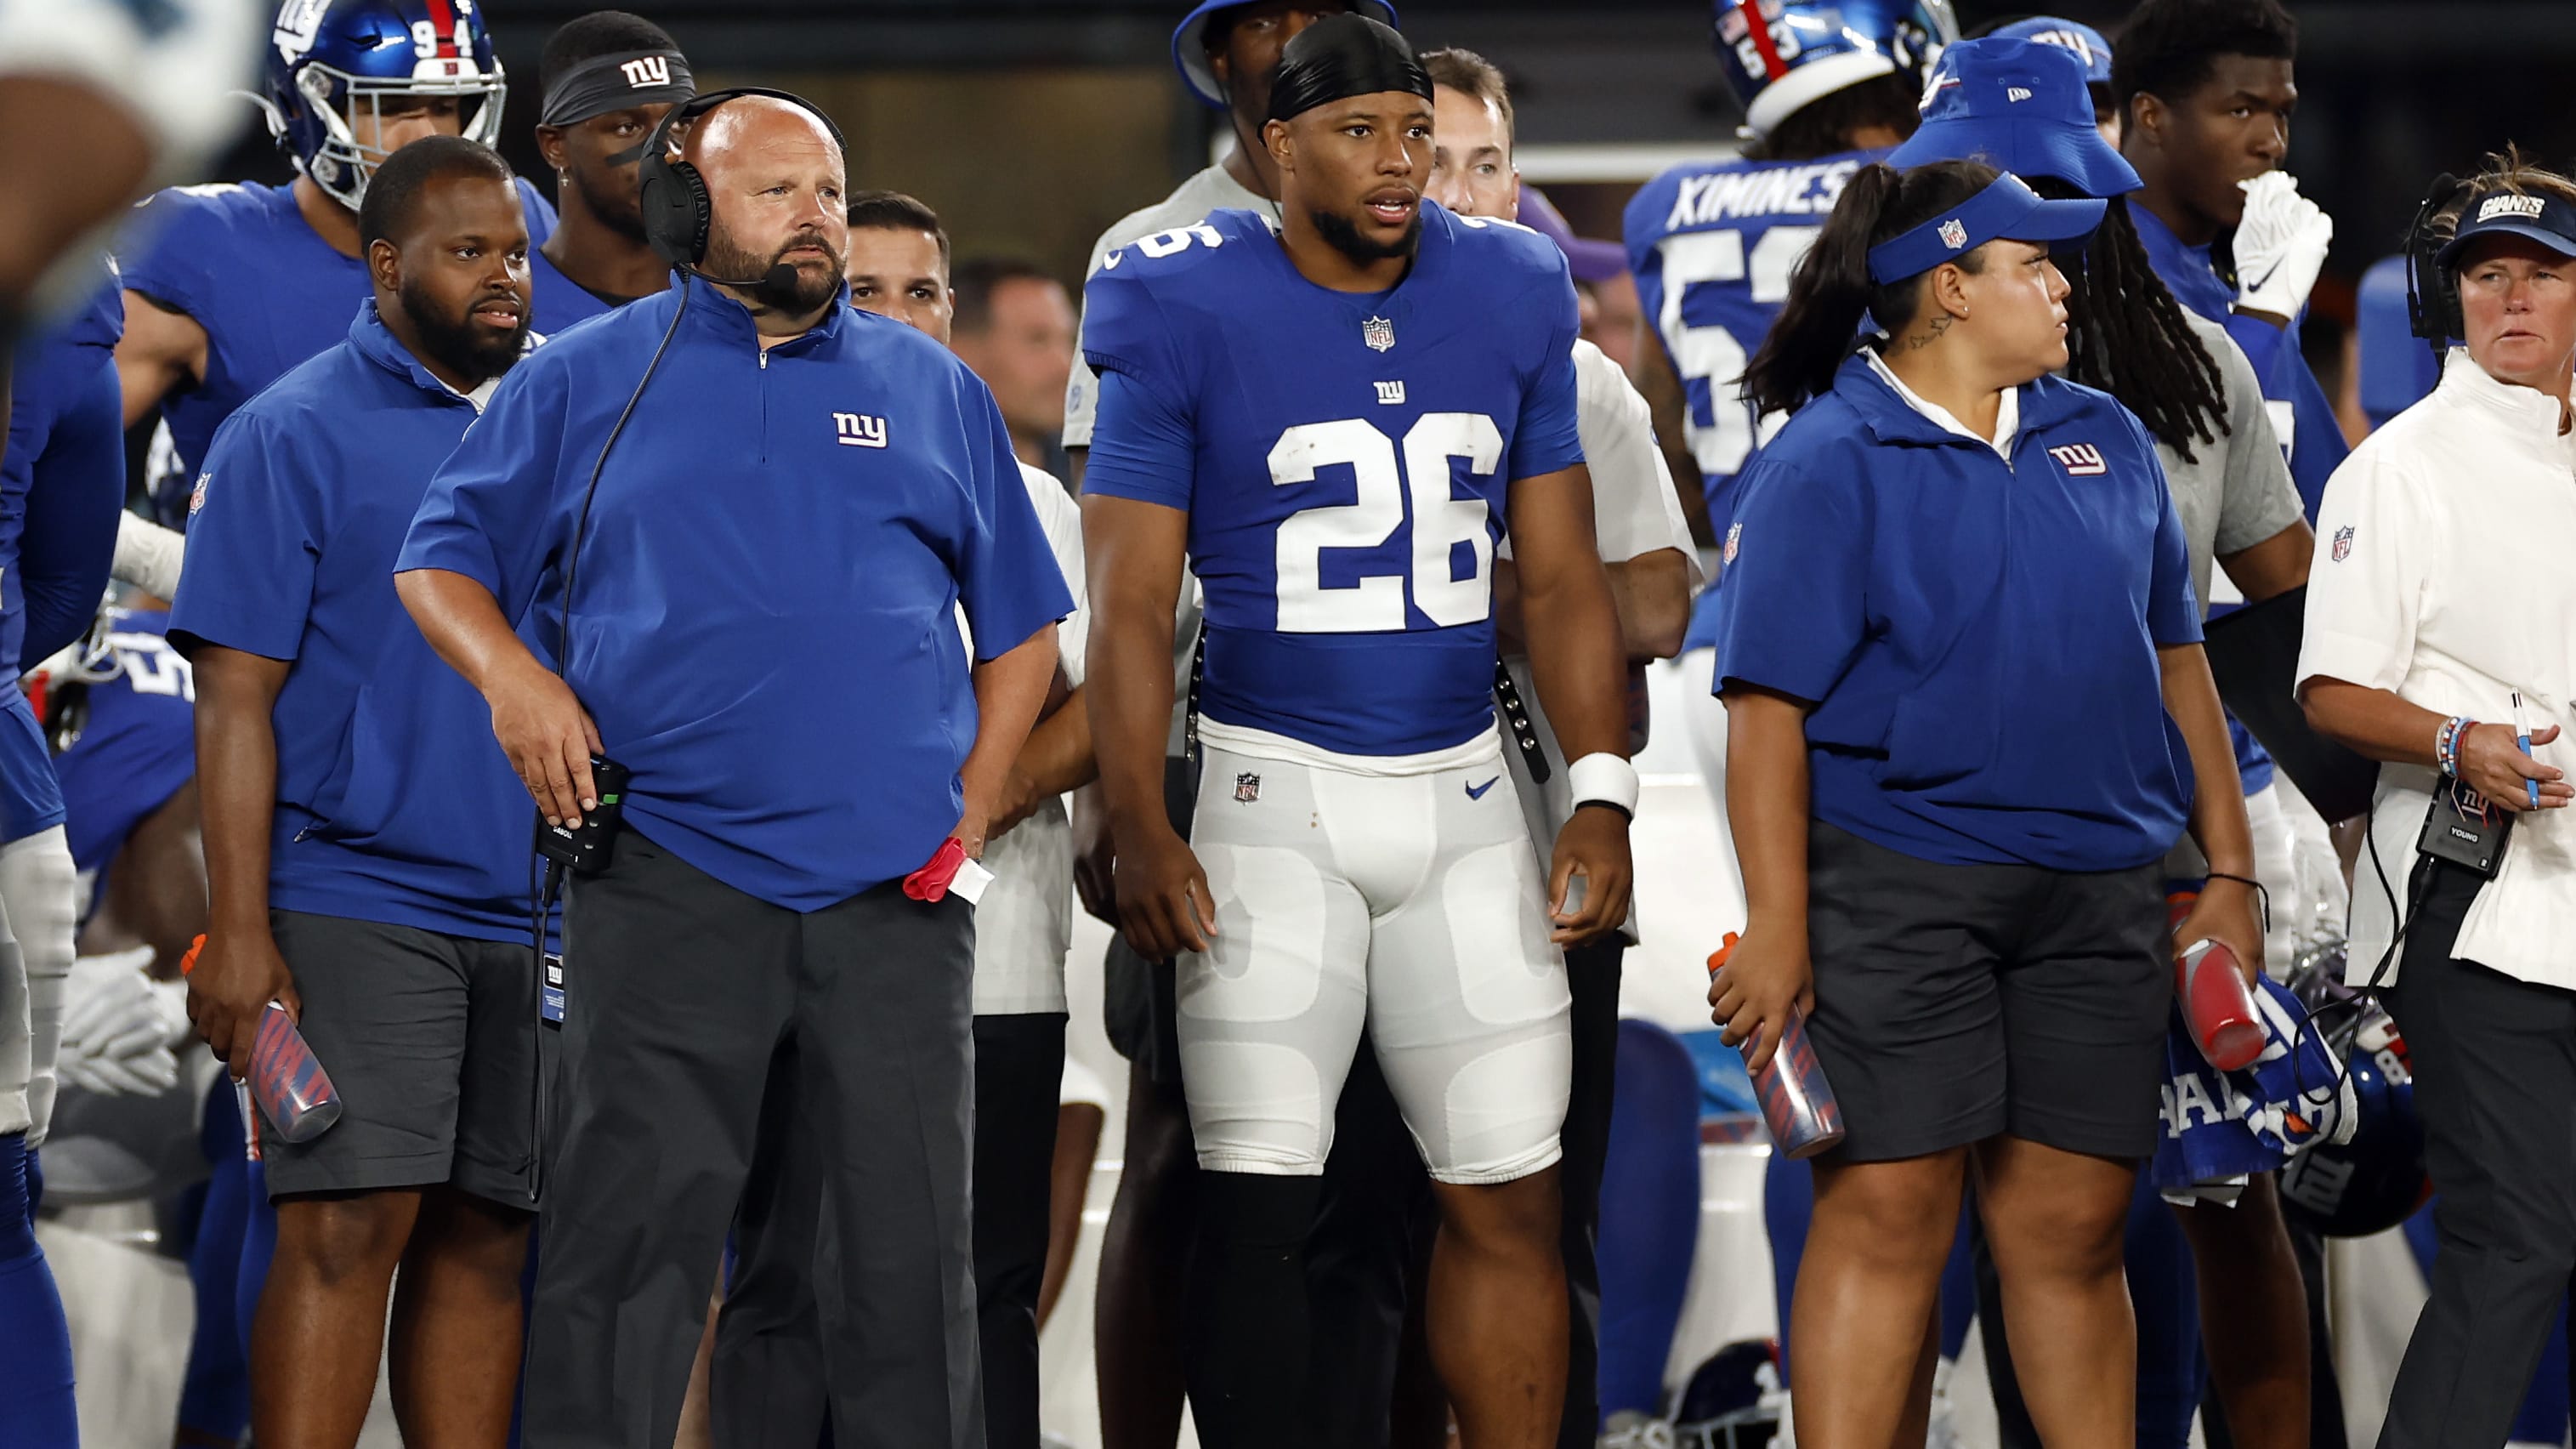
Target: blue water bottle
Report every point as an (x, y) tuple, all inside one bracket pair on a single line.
[(1797, 1102)]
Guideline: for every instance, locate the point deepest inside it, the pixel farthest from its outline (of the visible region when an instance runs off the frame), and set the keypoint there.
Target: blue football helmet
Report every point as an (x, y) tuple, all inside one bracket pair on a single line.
[(1781, 55), (2377, 1180), (333, 61)]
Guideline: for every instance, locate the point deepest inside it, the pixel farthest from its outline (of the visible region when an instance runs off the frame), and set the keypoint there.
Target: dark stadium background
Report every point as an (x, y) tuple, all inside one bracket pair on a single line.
[(1032, 124)]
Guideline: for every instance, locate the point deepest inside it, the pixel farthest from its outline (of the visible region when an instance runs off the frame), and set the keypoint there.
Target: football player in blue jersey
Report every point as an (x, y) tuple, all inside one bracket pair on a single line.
[(59, 487), (1335, 425), (229, 286), (608, 78)]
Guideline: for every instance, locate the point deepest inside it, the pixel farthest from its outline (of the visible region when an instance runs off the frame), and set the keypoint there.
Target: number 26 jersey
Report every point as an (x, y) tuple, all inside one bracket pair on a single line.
[(1344, 459)]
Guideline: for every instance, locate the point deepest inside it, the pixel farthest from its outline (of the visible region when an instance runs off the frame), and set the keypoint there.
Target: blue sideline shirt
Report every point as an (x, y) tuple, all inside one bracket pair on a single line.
[(394, 802), (1979, 638), (763, 618)]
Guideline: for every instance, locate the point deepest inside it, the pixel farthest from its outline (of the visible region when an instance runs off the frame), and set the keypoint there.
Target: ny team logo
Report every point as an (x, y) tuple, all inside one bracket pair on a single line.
[(648, 71), (1247, 788), (1954, 233), (859, 430), (1390, 393), (2081, 460), (2343, 543), (1378, 333)]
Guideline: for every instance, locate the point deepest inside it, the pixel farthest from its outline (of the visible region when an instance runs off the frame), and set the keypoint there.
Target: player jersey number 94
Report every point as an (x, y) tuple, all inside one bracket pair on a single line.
[(1389, 493)]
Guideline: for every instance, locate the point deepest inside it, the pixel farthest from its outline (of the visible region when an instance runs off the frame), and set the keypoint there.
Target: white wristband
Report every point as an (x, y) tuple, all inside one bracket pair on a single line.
[(1605, 779)]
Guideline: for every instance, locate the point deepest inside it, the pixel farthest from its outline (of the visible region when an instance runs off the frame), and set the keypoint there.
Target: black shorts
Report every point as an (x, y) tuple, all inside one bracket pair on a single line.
[(1138, 1001), (1957, 1002), (431, 1042)]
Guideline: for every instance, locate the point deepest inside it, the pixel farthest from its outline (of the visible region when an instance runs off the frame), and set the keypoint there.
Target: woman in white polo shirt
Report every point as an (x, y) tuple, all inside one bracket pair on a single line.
[(2444, 590)]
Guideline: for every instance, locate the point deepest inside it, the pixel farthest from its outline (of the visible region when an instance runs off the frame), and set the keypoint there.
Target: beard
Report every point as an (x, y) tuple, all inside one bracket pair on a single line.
[(804, 293), (463, 344), (1343, 235)]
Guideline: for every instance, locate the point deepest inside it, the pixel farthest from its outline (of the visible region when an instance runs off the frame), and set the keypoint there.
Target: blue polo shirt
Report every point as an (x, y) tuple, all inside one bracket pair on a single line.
[(394, 802), (1978, 636), (762, 610)]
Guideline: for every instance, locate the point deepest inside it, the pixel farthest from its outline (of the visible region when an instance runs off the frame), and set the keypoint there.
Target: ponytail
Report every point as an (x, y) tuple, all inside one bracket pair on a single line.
[(1830, 293)]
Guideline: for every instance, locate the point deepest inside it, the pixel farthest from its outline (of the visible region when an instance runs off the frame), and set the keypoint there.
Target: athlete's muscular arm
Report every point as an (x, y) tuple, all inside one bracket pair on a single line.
[(239, 972), (157, 884), (1652, 371), (544, 730), (1650, 591), (1580, 668), (163, 351), (1056, 759), (1133, 552), (1767, 806)]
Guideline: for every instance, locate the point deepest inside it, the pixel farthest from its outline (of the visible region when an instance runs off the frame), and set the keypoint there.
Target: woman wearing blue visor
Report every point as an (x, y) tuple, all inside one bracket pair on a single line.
[(1965, 701), (2024, 106)]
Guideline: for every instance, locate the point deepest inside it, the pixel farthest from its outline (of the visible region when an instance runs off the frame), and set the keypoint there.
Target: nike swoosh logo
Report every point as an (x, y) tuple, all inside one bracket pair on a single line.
[(1477, 792), (2258, 283)]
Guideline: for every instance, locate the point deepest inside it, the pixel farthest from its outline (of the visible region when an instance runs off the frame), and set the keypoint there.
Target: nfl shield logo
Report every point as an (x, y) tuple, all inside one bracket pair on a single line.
[(1247, 788), (2343, 543), (197, 495), (1954, 234), (1733, 532), (1378, 333)]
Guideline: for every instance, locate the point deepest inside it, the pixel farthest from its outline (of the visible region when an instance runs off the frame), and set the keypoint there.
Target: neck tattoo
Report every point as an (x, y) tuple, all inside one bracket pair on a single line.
[(1930, 334)]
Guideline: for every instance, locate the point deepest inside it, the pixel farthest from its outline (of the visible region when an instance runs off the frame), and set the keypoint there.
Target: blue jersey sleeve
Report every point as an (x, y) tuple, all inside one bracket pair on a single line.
[(486, 510), (1007, 575), (254, 541), (1792, 605), (1144, 440), (1545, 439), (76, 493), (183, 231)]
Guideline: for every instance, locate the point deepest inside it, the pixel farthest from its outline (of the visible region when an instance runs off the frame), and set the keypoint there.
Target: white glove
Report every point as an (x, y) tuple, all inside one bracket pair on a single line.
[(120, 1027), (2280, 246)]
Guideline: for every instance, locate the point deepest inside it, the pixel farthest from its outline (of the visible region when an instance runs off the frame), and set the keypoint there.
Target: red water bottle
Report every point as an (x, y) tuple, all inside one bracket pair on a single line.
[(1797, 1102), (286, 1079), (2218, 1005)]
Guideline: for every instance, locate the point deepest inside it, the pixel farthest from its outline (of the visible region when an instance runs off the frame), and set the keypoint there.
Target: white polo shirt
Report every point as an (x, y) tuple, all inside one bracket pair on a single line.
[(2442, 575), (1634, 513)]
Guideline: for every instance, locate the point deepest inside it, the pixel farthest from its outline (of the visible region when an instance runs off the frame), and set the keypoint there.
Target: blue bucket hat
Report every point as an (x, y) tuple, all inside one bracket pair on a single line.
[(2074, 35), (1190, 50), (2020, 106)]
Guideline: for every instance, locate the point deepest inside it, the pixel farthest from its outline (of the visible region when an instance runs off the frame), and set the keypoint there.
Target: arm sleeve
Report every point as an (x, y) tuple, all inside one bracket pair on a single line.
[(2173, 610), (1061, 519), (1634, 509), (2257, 498), (77, 493), (1792, 607), (1008, 580), (2365, 589), (253, 545), (490, 507), (1548, 437), (148, 556)]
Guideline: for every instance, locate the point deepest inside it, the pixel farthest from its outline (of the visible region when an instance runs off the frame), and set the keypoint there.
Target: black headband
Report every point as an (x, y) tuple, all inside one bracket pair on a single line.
[(617, 82), (1341, 56)]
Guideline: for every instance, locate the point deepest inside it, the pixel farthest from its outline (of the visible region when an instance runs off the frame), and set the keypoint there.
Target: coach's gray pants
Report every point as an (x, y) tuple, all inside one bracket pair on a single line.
[(681, 995)]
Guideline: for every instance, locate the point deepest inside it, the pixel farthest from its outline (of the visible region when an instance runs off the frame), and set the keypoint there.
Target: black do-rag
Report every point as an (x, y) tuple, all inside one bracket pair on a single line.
[(1341, 56)]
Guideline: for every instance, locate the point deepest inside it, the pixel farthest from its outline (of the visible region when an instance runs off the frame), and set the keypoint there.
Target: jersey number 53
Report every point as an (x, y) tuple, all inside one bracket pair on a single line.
[(1709, 353), (1389, 492)]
